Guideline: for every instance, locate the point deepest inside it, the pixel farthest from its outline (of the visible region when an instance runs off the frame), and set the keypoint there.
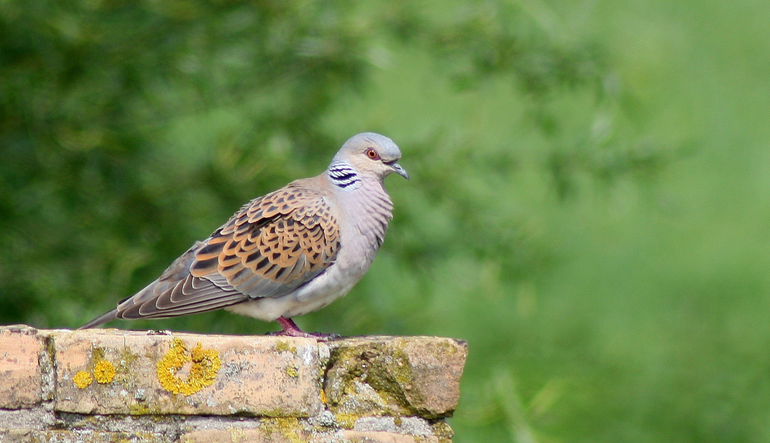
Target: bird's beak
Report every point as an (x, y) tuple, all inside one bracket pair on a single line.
[(399, 170)]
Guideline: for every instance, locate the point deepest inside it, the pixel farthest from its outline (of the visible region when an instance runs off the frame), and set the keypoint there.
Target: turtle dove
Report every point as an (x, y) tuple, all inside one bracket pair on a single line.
[(287, 253)]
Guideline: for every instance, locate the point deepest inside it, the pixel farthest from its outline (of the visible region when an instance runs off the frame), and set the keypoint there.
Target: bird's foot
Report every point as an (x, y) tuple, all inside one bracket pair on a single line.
[(290, 329)]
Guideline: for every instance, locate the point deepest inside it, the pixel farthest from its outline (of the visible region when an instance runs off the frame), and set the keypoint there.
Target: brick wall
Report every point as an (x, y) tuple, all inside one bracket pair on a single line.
[(108, 385)]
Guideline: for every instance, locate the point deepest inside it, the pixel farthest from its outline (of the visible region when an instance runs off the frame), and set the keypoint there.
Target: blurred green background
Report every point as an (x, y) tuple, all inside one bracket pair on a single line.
[(588, 207)]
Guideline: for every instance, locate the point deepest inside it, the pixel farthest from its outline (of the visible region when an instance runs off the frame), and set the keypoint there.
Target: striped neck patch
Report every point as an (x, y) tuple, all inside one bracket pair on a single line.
[(344, 176)]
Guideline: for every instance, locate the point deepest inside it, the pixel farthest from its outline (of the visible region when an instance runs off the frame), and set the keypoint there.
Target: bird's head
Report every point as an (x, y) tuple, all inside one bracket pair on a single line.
[(372, 155)]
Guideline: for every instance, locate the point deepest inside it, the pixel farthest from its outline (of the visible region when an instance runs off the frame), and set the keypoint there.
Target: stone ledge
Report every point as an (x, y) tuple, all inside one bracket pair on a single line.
[(138, 386)]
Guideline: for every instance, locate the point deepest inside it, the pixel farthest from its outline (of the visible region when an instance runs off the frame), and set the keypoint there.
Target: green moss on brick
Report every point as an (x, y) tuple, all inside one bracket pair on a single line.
[(384, 367)]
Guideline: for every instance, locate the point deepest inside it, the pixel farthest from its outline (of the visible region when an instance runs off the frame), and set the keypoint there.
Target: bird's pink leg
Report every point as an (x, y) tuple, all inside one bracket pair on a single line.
[(292, 330)]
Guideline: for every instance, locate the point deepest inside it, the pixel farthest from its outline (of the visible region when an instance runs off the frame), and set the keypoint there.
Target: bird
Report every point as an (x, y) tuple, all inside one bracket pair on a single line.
[(284, 254)]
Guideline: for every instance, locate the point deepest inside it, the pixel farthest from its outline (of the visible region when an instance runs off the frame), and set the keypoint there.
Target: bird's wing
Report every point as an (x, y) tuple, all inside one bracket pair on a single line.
[(271, 246)]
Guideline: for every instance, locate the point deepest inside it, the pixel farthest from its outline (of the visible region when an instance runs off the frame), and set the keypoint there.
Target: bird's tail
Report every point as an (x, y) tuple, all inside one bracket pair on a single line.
[(104, 318)]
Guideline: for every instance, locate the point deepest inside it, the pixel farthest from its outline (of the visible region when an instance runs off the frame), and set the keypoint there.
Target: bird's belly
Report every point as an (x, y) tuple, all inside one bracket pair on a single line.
[(321, 291)]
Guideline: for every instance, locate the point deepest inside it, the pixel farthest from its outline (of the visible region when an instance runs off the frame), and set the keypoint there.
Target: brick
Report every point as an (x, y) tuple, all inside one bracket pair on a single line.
[(385, 437), (398, 376), (242, 435), (20, 352), (292, 436), (84, 436), (33, 418), (398, 425), (117, 372), (272, 430)]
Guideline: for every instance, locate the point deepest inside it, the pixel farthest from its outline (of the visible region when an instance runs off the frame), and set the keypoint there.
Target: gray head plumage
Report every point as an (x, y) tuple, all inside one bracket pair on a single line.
[(371, 154)]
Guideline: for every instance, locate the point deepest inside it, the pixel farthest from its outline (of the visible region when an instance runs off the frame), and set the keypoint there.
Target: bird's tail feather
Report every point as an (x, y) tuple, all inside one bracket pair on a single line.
[(104, 318)]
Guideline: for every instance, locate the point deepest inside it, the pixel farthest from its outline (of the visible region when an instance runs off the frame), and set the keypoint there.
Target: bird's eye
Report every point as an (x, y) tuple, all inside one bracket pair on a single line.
[(372, 154)]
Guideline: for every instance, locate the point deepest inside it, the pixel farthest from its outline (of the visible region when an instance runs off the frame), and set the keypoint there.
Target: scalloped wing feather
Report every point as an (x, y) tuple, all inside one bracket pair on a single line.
[(176, 293), (271, 246)]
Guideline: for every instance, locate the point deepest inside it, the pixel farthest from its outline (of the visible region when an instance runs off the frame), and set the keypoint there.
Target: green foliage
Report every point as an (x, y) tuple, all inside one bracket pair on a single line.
[(583, 208)]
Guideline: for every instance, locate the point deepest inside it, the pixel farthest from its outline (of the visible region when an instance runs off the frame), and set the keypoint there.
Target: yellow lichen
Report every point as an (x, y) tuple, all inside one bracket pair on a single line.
[(203, 371), (345, 421), (292, 371), (82, 379), (288, 427), (283, 346), (104, 372)]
